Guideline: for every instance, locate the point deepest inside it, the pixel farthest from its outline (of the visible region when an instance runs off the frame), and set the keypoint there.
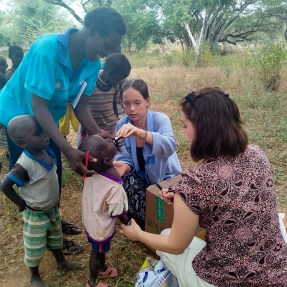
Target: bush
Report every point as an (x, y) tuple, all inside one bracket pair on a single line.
[(187, 57), (270, 62), (205, 57)]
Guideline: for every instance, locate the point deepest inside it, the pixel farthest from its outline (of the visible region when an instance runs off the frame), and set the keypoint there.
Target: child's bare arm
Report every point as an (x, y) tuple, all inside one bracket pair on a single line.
[(7, 186)]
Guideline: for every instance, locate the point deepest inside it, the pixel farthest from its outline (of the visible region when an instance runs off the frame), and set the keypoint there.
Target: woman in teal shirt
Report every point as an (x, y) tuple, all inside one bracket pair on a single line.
[(58, 69), (55, 70)]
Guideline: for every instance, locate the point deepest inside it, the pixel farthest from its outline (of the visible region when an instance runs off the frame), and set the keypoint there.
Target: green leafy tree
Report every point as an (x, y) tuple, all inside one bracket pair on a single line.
[(26, 20), (198, 21), (86, 5), (37, 17), (192, 22), (142, 23), (4, 29)]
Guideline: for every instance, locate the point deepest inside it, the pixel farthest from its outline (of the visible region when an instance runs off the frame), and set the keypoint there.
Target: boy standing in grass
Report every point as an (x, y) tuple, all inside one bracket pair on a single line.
[(35, 175)]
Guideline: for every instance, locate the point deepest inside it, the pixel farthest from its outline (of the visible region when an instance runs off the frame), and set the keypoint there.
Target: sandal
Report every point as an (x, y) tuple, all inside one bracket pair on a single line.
[(100, 284), (70, 247), (70, 229), (111, 272)]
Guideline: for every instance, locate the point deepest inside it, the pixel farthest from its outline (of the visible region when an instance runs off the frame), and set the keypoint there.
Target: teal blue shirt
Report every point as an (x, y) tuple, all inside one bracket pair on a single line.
[(46, 71)]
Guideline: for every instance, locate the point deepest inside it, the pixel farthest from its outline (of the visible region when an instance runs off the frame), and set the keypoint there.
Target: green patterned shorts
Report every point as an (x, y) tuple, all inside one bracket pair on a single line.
[(41, 231)]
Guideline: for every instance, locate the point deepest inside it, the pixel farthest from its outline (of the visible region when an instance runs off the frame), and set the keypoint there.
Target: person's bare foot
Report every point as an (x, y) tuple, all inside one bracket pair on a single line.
[(36, 282), (69, 266)]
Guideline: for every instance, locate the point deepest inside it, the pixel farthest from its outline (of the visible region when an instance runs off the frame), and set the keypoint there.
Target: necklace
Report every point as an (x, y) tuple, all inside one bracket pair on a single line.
[(104, 83), (103, 86)]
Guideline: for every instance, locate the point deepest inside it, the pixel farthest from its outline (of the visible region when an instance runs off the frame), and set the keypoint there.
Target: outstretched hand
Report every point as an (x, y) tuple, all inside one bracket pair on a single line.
[(76, 159), (132, 231), (121, 167)]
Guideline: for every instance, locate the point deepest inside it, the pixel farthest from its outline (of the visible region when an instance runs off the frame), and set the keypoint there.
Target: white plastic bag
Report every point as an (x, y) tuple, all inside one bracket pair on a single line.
[(153, 273)]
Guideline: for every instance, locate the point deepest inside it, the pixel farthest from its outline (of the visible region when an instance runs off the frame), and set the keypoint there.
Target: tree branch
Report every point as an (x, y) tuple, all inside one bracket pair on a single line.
[(64, 5)]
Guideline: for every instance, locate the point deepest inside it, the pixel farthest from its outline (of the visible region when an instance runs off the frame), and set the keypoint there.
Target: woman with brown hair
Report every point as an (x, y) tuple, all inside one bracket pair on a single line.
[(148, 153), (230, 193)]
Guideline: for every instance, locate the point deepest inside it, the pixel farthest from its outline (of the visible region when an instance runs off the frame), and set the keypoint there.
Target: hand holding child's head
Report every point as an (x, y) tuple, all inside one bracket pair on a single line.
[(102, 149)]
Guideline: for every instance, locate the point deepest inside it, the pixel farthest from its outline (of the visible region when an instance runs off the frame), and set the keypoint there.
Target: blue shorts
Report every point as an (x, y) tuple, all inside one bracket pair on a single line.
[(101, 247)]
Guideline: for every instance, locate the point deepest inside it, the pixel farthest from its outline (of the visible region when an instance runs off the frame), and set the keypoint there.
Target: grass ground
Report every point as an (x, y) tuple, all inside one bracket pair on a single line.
[(264, 114)]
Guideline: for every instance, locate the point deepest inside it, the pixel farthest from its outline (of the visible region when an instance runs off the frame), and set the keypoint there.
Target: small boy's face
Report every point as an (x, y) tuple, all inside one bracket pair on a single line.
[(35, 138), (110, 149), (104, 150)]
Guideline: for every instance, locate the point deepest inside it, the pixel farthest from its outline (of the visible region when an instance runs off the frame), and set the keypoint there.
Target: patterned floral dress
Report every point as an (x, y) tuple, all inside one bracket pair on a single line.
[(236, 202)]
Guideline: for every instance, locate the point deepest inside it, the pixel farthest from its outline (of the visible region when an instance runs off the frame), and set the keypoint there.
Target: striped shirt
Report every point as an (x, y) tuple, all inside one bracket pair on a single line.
[(102, 108)]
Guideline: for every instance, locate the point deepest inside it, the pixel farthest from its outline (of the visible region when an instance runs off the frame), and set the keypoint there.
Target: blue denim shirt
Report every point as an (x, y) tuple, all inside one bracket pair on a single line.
[(161, 161)]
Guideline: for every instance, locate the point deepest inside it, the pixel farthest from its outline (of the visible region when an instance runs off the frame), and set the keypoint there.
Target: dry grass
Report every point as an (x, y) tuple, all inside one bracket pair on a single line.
[(264, 114)]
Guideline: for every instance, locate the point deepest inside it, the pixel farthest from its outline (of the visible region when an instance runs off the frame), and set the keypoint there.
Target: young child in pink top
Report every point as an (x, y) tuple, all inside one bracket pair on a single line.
[(104, 200)]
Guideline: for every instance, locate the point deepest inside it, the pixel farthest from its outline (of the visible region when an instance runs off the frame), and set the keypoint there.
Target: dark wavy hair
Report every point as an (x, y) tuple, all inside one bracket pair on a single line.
[(217, 123)]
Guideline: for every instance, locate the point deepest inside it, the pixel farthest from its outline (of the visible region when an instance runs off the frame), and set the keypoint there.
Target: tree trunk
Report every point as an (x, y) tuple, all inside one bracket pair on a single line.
[(129, 45), (191, 38)]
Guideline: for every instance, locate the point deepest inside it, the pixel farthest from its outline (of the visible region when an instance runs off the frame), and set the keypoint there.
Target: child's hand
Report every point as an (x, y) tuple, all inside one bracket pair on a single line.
[(132, 231), (22, 206), (167, 196), (121, 167)]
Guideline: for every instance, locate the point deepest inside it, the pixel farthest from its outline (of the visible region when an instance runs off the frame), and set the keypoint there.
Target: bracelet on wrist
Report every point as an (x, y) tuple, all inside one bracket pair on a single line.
[(145, 135)]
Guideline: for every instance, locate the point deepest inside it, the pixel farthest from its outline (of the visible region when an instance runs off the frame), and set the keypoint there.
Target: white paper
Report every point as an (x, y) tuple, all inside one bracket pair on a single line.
[(77, 98)]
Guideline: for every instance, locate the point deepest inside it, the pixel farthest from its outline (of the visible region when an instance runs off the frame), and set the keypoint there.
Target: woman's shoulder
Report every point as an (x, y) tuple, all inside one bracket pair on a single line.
[(45, 45), (254, 153), (254, 149), (157, 117), (252, 157)]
